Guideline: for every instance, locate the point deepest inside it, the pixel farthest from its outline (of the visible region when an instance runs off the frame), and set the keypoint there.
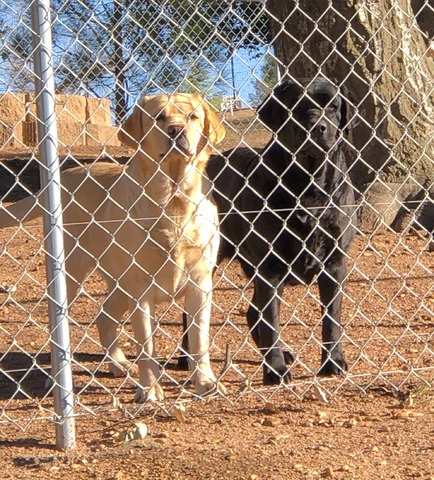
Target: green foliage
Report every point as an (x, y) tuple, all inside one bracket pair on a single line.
[(136, 47), (265, 81)]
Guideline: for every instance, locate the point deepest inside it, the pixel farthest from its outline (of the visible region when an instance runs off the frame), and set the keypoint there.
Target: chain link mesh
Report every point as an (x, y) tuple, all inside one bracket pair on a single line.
[(106, 57)]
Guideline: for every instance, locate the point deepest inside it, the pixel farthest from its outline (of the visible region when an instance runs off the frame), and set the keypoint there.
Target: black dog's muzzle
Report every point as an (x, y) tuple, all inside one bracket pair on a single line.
[(320, 132)]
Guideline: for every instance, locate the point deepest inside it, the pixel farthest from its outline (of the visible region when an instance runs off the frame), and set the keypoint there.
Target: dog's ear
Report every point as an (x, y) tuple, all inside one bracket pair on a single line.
[(350, 116), (132, 130), (273, 111), (214, 129)]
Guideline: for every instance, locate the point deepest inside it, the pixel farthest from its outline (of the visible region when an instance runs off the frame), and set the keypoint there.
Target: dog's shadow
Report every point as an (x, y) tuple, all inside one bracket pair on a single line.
[(24, 376)]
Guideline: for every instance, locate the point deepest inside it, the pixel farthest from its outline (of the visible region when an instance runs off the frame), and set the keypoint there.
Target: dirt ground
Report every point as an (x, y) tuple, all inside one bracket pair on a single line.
[(375, 423), (378, 422)]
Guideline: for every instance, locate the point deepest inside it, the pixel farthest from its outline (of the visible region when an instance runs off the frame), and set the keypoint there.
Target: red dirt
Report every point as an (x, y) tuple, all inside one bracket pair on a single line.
[(375, 423)]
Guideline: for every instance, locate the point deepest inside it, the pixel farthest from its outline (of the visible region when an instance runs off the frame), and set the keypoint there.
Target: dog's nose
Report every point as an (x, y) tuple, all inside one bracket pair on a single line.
[(175, 130), (320, 127)]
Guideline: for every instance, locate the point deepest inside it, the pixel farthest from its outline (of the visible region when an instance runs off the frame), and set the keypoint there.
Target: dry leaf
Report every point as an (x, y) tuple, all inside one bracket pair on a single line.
[(8, 288), (246, 385), (319, 394), (138, 432), (327, 473), (178, 411), (322, 415), (417, 393)]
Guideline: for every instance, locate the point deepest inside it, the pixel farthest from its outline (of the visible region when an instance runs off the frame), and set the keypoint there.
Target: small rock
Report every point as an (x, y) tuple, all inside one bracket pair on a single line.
[(306, 423), (271, 441), (161, 440), (271, 422), (271, 408), (384, 429), (352, 422)]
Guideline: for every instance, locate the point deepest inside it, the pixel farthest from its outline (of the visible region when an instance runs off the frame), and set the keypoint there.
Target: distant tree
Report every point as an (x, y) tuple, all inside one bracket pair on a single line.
[(124, 49), (265, 79), (15, 49)]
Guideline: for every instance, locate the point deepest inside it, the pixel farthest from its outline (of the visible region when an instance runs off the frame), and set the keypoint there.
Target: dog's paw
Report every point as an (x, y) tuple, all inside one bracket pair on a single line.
[(152, 394), (288, 357), (183, 363), (276, 374), (123, 369), (333, 366), (207, 389)]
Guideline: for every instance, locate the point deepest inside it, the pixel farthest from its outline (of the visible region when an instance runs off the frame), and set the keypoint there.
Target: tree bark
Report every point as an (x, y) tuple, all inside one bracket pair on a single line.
[(379, 52)]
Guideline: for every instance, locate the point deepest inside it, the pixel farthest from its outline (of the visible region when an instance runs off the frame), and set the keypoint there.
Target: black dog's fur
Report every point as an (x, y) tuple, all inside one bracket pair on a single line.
[(287, 213)]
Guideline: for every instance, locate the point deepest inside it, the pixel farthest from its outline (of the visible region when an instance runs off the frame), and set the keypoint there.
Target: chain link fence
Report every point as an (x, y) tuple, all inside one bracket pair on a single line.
[(106, 56)]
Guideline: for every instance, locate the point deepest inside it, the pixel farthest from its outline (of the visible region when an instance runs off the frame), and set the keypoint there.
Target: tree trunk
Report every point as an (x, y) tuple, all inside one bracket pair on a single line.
[(379, 52)]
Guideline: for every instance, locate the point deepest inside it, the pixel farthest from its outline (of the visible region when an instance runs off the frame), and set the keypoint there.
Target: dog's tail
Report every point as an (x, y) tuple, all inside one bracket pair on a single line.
[(23, 211)]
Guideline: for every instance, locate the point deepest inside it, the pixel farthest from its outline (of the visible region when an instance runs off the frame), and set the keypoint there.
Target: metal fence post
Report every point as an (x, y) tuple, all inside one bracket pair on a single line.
[(53, 225)]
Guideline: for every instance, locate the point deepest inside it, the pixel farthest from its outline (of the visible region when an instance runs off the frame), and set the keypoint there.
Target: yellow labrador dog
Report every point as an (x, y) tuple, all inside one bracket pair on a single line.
[(150, 228)]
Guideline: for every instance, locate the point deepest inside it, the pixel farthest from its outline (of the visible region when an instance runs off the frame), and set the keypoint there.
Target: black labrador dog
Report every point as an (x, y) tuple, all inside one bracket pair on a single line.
[(287, 213)]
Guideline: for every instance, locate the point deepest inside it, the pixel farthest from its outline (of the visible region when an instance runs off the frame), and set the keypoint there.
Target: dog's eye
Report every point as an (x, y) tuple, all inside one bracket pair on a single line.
[(160, 117), (193, 116)]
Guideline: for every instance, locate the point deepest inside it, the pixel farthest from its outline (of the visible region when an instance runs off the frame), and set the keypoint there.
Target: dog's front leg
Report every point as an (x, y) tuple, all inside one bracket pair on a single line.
[(143, 323), (108, 321), (330, 285), (198, 306), (263, 320)]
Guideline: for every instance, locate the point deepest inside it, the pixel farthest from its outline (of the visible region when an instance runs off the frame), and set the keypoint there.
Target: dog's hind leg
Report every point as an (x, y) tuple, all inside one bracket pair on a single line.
[(330, 285), (185, 347), (263, 320), (108, 322), (78, 264)]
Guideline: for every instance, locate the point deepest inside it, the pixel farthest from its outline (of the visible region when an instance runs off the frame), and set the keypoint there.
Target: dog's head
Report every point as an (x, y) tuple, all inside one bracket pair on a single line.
[(179, 125), (309, 115)]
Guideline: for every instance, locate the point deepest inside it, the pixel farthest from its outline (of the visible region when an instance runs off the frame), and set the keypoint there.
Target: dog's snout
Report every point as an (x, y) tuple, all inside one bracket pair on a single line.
[(317, 124), (178, 137), (175, 129), (320, 127)]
